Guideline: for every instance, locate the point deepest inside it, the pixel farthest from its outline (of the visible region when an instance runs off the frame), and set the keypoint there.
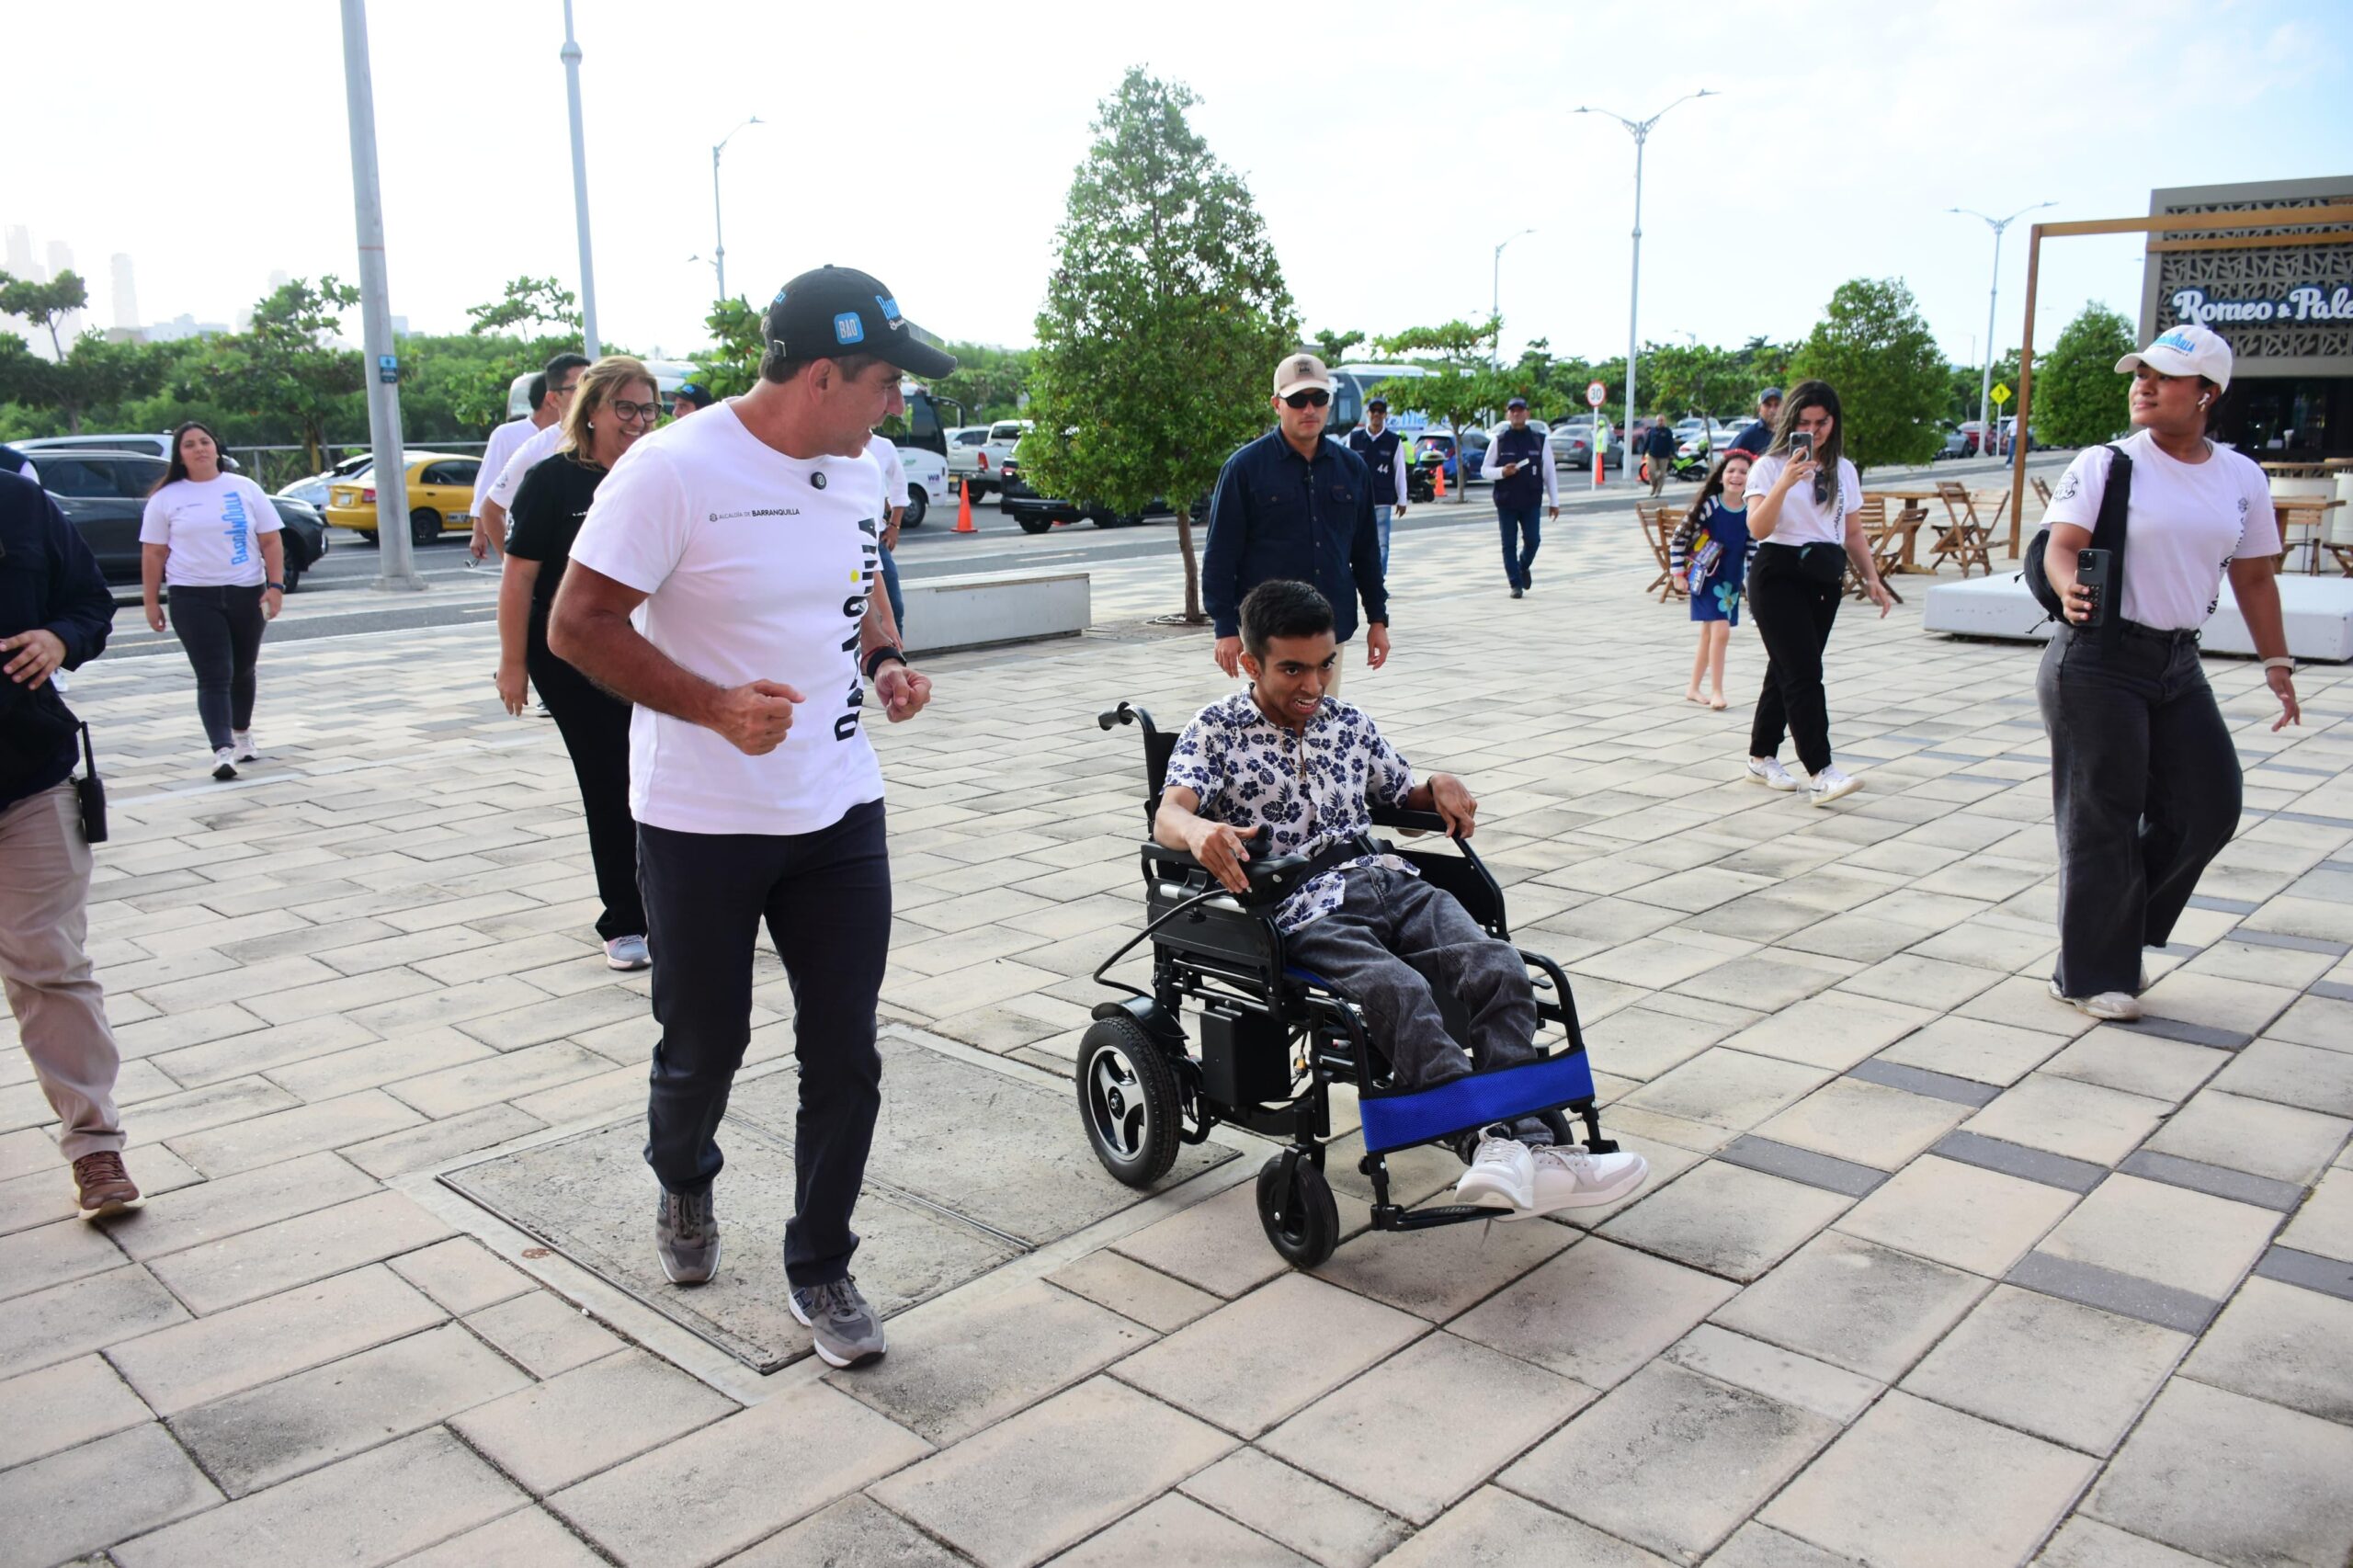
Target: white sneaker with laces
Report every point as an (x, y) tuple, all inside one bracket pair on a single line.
[(224, 764), (1501, 1176), (628, 953), (1830, 784), (1769, 771), (244, 749), (1569, 1177), (2112, 1006)]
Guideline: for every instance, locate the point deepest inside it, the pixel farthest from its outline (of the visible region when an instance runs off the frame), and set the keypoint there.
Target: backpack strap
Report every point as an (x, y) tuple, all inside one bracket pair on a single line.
[(2107, 533)]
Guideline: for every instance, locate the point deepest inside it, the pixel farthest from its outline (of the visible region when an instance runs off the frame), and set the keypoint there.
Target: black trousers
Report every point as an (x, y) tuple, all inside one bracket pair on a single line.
[(595, 726), (220, 628), (825, 897), (1793, 610), (2146, 786)]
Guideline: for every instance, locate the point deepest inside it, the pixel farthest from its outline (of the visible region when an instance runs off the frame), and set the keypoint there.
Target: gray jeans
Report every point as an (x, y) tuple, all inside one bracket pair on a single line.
[(2144, 784), (1392, 937)]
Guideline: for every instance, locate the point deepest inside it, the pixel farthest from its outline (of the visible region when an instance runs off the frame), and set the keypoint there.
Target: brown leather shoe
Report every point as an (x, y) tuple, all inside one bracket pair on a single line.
[(106, 1187)]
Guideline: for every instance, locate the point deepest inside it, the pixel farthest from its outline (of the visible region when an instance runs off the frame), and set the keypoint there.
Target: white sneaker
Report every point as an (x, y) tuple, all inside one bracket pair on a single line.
[(628, 953), (2112, 1006), (244, 749), (1769, 771), (224, 764), (1830, 785), (1501, 1176), (1568, 1177)]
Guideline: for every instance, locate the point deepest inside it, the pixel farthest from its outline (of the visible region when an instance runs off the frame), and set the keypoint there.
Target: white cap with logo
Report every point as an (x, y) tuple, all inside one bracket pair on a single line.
[(1301, 372), (2186, 350)]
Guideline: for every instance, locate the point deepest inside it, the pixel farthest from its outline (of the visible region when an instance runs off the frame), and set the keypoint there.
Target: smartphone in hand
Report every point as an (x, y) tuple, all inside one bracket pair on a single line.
[(2096, 571), (1800, 444)]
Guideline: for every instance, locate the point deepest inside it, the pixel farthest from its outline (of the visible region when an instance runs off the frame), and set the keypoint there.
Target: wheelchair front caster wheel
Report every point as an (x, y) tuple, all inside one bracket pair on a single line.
[(1298, 1212), (1127, 1096)]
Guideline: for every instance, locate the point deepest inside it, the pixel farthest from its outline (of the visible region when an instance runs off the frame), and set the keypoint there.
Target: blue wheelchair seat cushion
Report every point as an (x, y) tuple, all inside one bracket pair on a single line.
[(1399, 1120)]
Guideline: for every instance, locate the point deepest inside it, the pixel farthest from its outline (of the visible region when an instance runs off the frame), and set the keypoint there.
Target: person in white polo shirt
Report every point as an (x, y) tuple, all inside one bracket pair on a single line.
[(497, 449), (726, 582), (499, 478)]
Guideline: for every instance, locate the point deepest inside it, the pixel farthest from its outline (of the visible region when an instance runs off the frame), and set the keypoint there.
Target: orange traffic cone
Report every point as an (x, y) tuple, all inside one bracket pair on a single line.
[(1439, 474), (964, 511)]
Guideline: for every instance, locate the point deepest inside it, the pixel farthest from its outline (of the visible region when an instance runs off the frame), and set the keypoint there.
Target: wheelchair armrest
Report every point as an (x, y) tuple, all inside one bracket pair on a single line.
[(1271, 880), (1411, 821)]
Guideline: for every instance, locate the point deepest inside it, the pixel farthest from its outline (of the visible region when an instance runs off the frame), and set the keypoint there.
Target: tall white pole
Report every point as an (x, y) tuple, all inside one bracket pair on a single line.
[(397, 568), (1989, 438), (580, 191), (1495, 303), (718, 228)]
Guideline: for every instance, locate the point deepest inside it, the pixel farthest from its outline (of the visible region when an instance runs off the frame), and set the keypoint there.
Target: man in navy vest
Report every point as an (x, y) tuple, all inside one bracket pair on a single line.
[(1519, 461), (1384, 452)]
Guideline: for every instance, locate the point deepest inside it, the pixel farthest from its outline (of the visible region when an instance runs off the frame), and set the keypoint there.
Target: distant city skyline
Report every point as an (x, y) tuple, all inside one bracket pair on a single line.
[(23, 250)]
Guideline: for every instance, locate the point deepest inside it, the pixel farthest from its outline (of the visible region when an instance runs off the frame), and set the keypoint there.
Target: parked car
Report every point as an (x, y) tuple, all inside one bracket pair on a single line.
[(154, 443), (441, 495), (313, 491), (1957, 445), (1441, 438), (104, 494), (964, 444), (1004, 436), (1572, 443), (1037, 513)]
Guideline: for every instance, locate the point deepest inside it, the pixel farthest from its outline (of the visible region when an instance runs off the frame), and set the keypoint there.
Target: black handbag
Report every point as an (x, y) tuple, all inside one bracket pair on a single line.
[(2107, 533), (91, 792)]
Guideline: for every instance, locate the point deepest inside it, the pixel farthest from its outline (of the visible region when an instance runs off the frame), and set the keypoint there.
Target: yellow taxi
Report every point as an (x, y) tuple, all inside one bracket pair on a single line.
[(440, 496)]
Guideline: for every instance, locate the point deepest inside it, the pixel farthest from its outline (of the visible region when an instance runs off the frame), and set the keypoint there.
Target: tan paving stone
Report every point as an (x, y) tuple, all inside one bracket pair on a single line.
[(2024, 1002), (190, 1364), (1321, 1522), (543, 1333), (529, 1537), (95, 1494), (1144, 1295), (244, 1268), (2084, 1542), (1217, 1245), (2310, 1076), (261, 1050), (2325, 1224), (2071, 1373), (1493, 1529), (460, 1274), (2082, 1121), (1987, 1052), (1437, 1273), (2241, 1134), (1780, 1375), (51, 1254), (1870, 1124), (1974, 1218), (2198, 997), (2168, 1235), (63, 1406), (1727, 1088), (65, 1321), (373, 1064), (1757, 1546), (2281, 1344), (1854, 1304), (192, 1215), (172, 1116), (2323, 1021), (2234, 1479), (549, 1435), (2138, 1063), (1727, 1219), (1595, 1313), (288, 1134), (1175, 1530)]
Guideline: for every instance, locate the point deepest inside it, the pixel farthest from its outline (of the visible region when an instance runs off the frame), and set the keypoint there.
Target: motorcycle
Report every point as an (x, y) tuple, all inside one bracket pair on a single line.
[(1421, 480)]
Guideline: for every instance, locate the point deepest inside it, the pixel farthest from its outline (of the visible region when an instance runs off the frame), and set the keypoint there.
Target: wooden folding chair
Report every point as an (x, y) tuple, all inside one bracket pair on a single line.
[(1659, 520), (1887, 544), (2042, 489), (1962, 540)]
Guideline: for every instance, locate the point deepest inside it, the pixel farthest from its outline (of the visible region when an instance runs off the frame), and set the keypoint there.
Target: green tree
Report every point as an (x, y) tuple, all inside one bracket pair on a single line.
[(1332, 348), (283, 365), (528, 301), (92, 374), (1164, 314), (2079, 396), (43, 304), (1873, 346), (1464, 387), (548, 316)]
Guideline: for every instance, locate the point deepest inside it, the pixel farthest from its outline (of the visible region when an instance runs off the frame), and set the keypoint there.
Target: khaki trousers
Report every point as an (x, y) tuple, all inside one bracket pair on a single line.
[(60, 1012)]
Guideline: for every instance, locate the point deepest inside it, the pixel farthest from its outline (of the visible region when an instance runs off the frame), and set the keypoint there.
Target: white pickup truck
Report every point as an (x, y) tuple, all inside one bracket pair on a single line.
[(980, 464)]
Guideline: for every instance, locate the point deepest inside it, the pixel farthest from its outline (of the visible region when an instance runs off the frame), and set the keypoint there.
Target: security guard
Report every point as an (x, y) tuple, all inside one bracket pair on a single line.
[(1383, 450)]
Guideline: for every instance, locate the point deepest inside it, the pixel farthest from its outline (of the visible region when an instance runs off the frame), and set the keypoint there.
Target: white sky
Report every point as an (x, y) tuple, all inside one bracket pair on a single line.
[(1389, 147)]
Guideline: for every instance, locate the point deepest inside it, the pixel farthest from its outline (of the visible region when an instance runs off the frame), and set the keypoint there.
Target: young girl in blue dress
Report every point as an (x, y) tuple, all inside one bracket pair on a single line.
[(1709, 552)]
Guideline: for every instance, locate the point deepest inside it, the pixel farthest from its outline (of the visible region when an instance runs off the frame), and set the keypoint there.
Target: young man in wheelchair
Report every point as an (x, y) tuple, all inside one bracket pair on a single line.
[(1308, 767)]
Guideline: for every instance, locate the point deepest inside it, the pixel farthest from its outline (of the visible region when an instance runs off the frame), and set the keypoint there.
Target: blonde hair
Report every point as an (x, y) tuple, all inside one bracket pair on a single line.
[(597, 386)]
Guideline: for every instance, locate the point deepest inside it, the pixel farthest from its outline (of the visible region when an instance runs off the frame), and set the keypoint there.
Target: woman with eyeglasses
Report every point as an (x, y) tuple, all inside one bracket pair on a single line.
[(616, 403)]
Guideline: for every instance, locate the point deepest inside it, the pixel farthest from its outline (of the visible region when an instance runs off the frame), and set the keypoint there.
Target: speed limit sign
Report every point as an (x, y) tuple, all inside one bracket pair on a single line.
[(1596, 394)]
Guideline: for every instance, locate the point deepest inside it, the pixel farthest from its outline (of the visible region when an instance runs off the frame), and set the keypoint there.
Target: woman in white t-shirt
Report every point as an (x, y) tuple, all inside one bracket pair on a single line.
[(213, 536), (1805, 506), (2144, 776)]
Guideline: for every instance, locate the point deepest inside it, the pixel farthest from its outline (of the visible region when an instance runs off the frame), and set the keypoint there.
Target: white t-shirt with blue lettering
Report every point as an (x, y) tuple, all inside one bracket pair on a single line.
[(214, 529)]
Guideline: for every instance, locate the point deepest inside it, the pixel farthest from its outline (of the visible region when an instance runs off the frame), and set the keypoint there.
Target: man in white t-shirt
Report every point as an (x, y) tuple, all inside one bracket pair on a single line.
[(723, 583), (494, 453), (501, 474), (885, 453)]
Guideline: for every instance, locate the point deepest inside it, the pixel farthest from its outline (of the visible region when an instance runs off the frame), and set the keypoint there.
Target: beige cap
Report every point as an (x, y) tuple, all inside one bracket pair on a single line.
[(1301, 372)]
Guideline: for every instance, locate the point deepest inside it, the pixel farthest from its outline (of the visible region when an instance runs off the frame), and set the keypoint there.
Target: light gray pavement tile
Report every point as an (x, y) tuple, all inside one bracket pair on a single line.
[(2239, 1186), (1174, 1529), (1397, 1437), (190, 1364), (1922, 981), (1695, 1137), (543, 1333), (171, 1032), (1782, 1375), (1965, 1147), (2258, 1136), (2287, 1346), (51, 1254), (1321, 1522), (2315, 1019), (2024, 1002), (172, 1116), (1859, 937), (1731, 1221), (289, 1134), (1415, 1173), (2128, 1295), (1966, 1047), (965, 1362), (2084, 1542), (2169, 1235), (1493, 1529), (856, 1532), (462, 1007), (1244, 1368), (1437, 1273), (2234, 1479), (721, 1488), (1643, 1042), (1157, 1301), (2264, 961), (1970, 1218), (93, 1496), (2057, 1368), (1756, 1153), (1914, 1484), (1759, 1546), (1923, 1081), (549, 1435), (1671, 1461), (2325, 1224), (346, 997), (462, 1275), (2138, 1063), (1728, 1088), (373, 1508), (61, 1406), (2310, 1076), (190, 1216), (397, 1154), (1872, 1124), (82, 1315), (1596, 1312), (1768, 980), (605, 1095), (1833, 1030), (471, 1086), (1854, 1304), (1217, 1245), (1053, 1474), (373, 1064), (28, 1150), (255, 1263), (1660, 961), (2193, 996), (2083, 1121), (529, 1537)]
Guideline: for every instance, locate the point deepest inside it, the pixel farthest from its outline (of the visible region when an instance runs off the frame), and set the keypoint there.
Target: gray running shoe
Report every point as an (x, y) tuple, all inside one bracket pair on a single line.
[(685, 1236), (842, 1327)]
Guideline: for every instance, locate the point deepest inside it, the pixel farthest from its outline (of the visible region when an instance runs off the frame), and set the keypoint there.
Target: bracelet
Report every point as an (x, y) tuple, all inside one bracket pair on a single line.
[(874, 660), (280, 586), (2279, 664)]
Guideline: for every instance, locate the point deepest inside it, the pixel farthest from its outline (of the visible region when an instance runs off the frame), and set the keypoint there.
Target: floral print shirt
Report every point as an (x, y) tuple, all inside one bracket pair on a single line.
[(1310, 787)]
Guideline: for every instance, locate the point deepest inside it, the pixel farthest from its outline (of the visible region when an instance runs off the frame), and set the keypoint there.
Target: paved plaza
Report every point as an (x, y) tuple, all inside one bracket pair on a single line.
[(1930, 1269)]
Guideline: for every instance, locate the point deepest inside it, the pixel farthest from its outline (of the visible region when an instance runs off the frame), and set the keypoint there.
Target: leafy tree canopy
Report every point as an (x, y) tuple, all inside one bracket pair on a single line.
[(1893, 382), (43, 303), (2079, 396)]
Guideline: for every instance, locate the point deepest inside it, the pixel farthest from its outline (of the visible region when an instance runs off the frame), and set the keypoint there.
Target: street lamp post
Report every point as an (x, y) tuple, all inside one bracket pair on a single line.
[(1986, 441), (1495, 308), (1640, 132), (397, 570), (719, 234), (571, 57)]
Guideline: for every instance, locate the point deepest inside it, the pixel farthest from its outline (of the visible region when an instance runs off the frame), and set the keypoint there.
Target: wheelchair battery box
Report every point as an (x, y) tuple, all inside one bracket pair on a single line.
[(1246, 1058)]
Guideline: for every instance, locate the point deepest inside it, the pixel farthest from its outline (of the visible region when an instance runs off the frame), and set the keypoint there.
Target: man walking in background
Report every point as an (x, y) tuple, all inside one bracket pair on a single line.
[(689, 397), (494, 453), (1759, 436), (1658, 450), (490, 505), (1515, 459), (1384, 452)]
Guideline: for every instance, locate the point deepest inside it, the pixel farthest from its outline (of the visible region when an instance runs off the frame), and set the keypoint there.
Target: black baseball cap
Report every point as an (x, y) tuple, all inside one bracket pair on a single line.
[(1516, 403), (693, 393), (1380, 402), (835, 311)]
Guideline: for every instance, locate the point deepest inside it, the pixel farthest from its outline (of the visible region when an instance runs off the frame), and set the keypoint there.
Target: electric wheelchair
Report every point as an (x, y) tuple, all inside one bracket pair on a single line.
[(1274, 1039)]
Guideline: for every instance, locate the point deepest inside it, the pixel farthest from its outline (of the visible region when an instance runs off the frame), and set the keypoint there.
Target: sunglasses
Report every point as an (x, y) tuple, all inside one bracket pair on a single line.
[(1308, 399)]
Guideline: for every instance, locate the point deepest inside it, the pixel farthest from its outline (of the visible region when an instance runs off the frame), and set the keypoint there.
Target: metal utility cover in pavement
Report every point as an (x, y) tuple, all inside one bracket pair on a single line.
[(971, 1167)]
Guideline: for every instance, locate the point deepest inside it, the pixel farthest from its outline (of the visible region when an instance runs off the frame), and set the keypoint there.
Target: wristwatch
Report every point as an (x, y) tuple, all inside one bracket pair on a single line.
[(280, 586), (875, 660)]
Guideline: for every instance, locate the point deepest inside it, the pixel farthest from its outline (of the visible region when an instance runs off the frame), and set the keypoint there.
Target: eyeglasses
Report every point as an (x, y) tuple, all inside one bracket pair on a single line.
[(623, 409), (565, 391), (1308, 399)]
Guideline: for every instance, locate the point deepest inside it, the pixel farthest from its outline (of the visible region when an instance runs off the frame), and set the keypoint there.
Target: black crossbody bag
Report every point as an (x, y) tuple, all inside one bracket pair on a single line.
[(2107, 533), (91, 794)]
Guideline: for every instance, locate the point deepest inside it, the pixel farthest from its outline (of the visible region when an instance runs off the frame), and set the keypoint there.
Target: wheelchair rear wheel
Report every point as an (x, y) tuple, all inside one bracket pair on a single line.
[(1301, 1219), (1127, 1096)]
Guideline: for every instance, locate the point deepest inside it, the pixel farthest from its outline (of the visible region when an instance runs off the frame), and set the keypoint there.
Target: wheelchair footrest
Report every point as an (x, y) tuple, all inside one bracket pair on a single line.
[(1390, 1217), (1400, 1121)]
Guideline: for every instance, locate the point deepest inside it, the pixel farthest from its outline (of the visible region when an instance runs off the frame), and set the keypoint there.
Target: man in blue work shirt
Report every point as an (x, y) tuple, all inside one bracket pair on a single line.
[(1293, 504), (1759, 436)]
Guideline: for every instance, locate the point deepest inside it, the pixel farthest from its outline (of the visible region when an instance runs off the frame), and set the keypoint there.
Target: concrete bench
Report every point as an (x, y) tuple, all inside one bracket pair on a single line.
[(987, 609), (2317, 611)]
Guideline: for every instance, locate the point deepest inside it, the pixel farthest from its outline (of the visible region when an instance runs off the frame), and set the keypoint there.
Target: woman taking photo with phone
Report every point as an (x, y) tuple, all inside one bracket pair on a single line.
[(1805, 506), (616, 403), (212, 537), (2144, 778)]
